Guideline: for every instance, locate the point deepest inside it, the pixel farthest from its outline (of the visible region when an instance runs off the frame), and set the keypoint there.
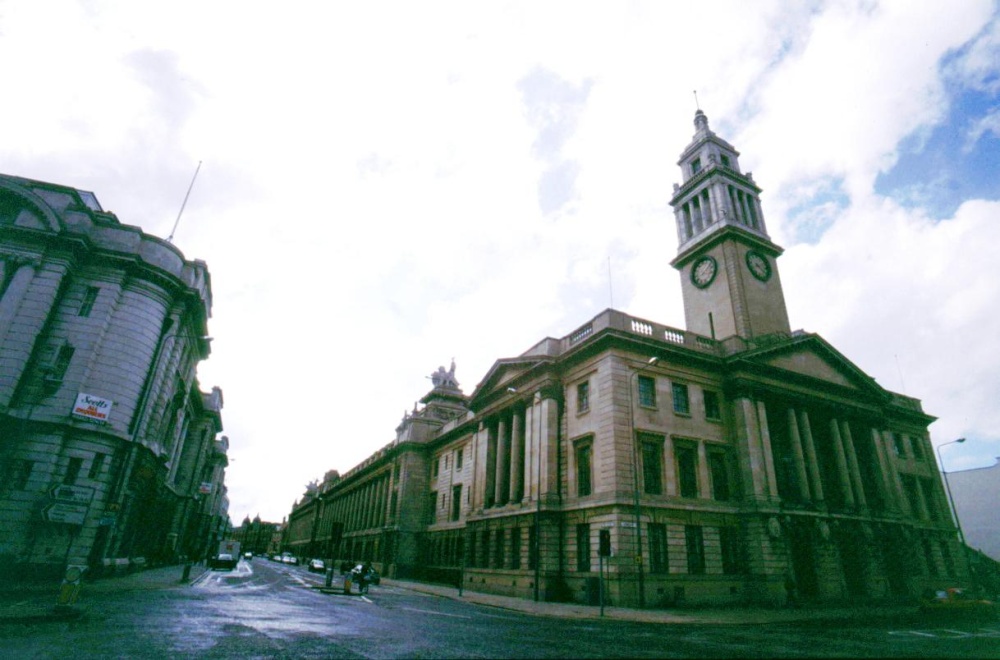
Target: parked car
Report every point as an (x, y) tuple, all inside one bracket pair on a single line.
[(289, 558), (224, 560), (317, 566), (248, 556), (959, 602)]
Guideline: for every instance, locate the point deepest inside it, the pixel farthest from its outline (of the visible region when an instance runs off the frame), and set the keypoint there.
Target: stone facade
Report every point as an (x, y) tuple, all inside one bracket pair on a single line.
[(739, 462), (108, 448)]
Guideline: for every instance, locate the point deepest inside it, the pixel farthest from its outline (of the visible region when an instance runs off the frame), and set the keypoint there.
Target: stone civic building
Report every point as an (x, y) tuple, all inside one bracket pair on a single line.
[(109, 450), (727, 462)]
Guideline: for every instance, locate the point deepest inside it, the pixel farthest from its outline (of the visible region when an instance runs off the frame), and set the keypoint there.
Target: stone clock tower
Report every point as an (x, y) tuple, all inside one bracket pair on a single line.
[(729, 275)]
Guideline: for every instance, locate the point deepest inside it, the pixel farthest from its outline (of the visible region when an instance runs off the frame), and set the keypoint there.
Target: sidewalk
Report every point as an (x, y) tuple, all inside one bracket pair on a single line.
[(38, 602), (694, 615)]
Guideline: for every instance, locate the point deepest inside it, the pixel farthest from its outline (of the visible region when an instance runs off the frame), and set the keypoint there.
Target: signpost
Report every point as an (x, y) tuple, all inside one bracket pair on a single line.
[(70, 504)]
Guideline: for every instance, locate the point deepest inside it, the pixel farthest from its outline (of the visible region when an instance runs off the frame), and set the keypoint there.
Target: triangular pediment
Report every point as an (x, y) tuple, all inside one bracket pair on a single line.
[(810, 356), (808, 363), (503, 374)]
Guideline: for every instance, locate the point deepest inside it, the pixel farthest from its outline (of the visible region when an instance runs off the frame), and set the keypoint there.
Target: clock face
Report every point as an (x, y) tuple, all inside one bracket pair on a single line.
[(703, 272), (759, 266)]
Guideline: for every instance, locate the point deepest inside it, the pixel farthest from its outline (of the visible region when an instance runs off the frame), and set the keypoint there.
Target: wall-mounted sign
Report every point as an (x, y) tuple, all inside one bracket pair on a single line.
[(61, 512), (72, 494), (92, 407), (205, 488)]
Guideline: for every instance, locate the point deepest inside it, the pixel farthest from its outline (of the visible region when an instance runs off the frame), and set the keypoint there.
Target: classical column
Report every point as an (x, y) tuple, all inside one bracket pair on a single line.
[(812, 464), (888, 488), (800, 463), (517, 455), (491, 463), (842, 473), (751, 453), (765, 442), (852, 462), (704, 481), (502, 484)]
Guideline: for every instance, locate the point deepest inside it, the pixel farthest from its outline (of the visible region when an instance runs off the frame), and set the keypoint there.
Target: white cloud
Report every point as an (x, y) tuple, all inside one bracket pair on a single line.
[(368, 202)]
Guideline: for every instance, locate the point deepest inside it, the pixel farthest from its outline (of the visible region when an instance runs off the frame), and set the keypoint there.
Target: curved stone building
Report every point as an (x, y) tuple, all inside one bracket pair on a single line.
[(108, 448)]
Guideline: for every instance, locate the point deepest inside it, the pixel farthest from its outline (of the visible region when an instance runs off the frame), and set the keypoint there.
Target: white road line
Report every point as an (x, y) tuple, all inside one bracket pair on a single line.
[(414, 609)]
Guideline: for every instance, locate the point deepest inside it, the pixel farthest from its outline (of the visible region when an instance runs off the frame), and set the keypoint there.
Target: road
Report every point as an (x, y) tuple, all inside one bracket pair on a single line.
[(268, 610)]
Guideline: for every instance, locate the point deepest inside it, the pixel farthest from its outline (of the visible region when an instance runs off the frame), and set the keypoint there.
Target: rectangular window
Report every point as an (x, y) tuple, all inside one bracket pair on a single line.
[(682, 405), (657, 548), (583, 397), (917, 448), (647, 391), (432, 500), (17, 473), (393, 503), (695, 543), (484, 547), (435, 468), (583, 547), (95, 466), (687, 470), (458, 460), (719, 471), (696, 166), (60, 364), (532, 547), (725, 161), (583, 468), (949, 563), (89, 297), (729, 540), (897, 446), (652, 465), (456, 502), (515, 547), (72, 470), (498, 551), (712, 409)]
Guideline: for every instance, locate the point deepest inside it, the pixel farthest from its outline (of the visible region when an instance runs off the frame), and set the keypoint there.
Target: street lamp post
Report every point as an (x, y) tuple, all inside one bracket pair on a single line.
[(947, 487), (635, 479)]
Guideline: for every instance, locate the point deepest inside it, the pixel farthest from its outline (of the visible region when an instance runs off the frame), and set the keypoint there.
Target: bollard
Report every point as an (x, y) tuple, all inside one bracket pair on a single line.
[(329, 577), (347, 583), (186, 575), (70, 588)]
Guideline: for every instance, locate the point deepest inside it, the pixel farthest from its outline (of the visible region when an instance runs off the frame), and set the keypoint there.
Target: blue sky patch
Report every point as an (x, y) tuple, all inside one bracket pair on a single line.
[(814, 215), (953, 162)]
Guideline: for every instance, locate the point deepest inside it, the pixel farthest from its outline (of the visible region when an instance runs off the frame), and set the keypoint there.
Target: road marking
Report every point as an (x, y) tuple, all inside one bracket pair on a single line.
[(414, 609)]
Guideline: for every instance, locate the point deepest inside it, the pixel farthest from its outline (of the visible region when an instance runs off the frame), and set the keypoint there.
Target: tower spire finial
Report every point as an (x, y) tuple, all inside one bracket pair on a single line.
[(696, 106)]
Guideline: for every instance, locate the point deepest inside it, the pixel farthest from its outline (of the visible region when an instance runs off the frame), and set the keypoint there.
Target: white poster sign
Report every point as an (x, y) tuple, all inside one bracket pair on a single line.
[(92, 407)]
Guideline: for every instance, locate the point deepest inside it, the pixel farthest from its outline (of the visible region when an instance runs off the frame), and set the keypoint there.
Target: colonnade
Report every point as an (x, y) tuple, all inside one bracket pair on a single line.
[(854, 489), (515, 457), (717, 202), (364, 507)]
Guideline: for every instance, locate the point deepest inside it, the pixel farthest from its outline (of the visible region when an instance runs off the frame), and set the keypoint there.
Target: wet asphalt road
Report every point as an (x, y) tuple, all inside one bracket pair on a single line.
[(269, 610)]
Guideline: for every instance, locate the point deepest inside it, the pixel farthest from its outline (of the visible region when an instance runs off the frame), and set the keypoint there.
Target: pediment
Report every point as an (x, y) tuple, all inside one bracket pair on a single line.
[(810, 356), (808, 363), (503, 374)]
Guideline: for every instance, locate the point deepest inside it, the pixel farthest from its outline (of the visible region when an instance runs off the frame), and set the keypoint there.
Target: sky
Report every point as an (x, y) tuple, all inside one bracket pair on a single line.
[(386, 186)]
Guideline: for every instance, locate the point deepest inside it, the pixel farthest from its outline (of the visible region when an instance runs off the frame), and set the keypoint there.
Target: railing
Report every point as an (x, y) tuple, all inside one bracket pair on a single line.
[(614, 319)]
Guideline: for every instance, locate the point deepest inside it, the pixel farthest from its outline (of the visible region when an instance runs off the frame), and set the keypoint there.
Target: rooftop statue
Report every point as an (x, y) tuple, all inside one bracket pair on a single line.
[(442, 378)]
